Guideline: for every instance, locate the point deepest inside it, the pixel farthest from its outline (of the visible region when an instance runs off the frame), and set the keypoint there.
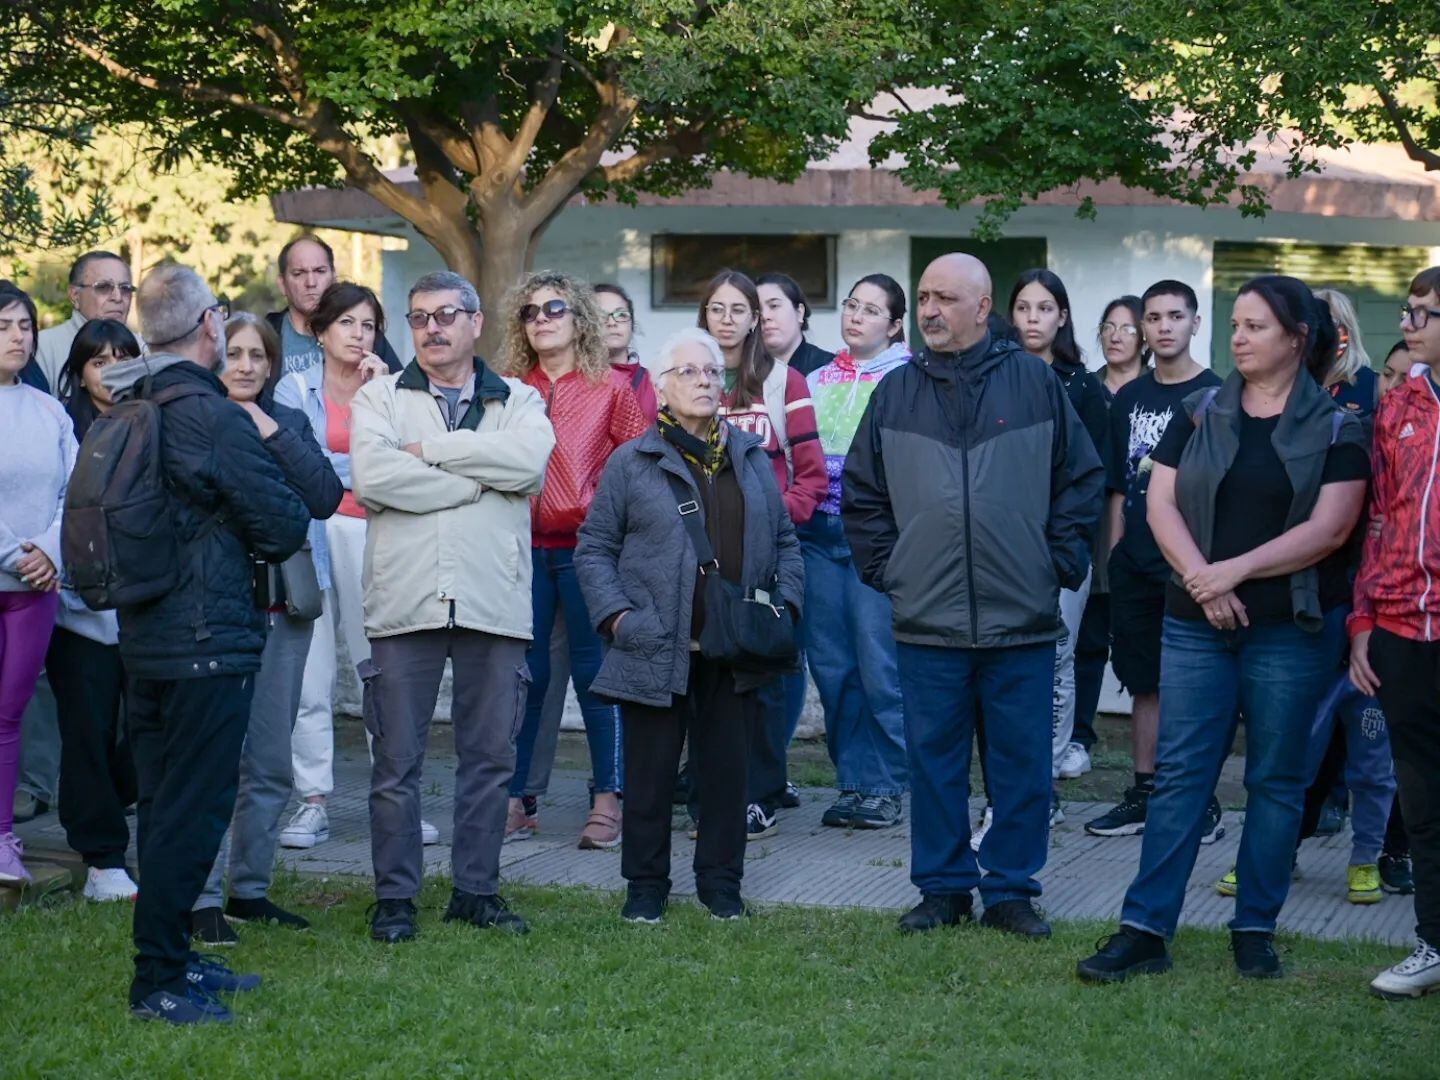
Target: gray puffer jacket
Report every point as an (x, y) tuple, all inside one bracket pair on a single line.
[(634, 555)]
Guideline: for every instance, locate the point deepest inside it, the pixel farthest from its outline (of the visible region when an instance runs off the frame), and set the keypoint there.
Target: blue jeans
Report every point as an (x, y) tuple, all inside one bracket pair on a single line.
[(555, 585), (1369, 769), (1274, 674), (851, 651), (943, 689)]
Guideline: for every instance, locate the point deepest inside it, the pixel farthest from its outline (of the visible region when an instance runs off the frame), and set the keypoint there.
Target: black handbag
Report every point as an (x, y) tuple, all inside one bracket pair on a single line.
[(751, 631)]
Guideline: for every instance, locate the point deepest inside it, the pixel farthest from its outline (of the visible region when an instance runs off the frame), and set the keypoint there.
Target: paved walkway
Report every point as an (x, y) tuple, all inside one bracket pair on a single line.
[(805, 863)]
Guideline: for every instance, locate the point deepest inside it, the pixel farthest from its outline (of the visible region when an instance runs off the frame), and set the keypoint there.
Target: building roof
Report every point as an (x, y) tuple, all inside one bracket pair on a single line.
[(1360, 181)]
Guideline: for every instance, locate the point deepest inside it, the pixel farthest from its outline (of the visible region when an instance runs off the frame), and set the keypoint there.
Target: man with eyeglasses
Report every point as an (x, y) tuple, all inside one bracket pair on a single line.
[(191, 654), (307, 269), (99, 289), (1394, 632), (446, 455)]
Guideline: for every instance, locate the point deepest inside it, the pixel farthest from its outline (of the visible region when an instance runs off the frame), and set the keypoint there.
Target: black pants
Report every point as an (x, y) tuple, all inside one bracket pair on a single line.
[(97, 772), (1092, 650), (718, 720), (1409, 673), (186, 736), (766, 783)]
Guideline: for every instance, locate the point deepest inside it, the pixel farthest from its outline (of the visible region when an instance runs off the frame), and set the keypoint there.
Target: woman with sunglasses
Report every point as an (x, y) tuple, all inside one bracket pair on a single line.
[(97, 773), (555, 342), (771, 400), (348, 321), (618, 311), (34, 471)]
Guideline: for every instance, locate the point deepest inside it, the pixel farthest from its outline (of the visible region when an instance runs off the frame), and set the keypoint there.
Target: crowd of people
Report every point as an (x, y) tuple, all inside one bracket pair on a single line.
[(201, 524)]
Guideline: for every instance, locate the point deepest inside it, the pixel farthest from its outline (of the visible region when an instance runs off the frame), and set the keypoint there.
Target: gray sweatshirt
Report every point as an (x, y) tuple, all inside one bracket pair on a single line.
[(37, 452)]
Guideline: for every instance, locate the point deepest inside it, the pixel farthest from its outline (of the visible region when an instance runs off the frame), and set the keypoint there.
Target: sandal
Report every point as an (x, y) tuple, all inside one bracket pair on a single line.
[(601, 831)]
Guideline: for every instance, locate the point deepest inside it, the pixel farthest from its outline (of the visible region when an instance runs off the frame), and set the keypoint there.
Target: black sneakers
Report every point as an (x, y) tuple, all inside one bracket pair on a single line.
[(262, 909), (936, 910), (877, 812), (726, 907), (789, 797), (643, 906), (1396, 874), (1017, 917), (1126, 818), (759, 822), (392, 921), (1129, 952), (1214, 830), (1255, 956), (486, 912), (841, 811), (208, 926)]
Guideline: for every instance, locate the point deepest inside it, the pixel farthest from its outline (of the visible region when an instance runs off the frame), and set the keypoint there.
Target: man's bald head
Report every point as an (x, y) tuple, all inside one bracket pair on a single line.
[(953, 301)]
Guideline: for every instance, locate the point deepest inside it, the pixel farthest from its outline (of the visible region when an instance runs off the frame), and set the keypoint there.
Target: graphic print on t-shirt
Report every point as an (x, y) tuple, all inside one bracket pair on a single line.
[(1146, 427)]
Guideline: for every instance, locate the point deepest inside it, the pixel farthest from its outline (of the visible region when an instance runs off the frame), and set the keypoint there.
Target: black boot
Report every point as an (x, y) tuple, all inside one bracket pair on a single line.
[(1130, 952), (936, 910), (1016, 917)]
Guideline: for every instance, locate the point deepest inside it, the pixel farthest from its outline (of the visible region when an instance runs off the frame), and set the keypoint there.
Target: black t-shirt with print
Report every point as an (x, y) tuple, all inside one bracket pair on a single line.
[(1251, 506), (1139, 416)]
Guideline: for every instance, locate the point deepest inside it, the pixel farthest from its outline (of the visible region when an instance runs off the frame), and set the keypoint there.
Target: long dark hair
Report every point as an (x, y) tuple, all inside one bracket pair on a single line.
[(1065, 347), (755, 362), (791, 288), (92, 340), (1136, 308), (1301, 313), (894, 300)]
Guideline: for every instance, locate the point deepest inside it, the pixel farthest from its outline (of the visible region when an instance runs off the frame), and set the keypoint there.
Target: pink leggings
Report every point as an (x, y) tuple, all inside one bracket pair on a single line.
[(26, 622)]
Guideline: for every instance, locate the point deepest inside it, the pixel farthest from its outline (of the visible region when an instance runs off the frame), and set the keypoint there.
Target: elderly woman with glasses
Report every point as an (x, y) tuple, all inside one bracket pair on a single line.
[(555, 342), (643, 589)]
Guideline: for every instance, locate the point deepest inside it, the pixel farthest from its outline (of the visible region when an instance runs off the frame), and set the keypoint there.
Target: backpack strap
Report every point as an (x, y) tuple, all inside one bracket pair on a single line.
[(638, 379), (692, 516)]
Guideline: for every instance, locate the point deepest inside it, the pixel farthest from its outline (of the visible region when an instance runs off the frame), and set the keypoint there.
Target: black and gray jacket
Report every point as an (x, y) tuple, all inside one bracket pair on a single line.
[(971, 495)]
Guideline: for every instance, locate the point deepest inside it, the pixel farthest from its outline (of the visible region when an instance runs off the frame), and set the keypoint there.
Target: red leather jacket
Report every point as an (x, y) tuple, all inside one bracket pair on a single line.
[(590, 420), (1398, 587)]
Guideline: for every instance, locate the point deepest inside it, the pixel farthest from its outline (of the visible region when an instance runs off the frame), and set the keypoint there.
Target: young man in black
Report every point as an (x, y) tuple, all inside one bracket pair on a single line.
[(1139, 416)]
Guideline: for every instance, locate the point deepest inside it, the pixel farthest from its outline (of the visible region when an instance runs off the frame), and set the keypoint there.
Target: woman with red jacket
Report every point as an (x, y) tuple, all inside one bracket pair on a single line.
[(555, 342), (771, 400)]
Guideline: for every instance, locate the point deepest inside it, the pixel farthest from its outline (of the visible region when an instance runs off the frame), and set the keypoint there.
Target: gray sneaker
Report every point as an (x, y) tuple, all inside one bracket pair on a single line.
[(841, 811), (877, 812)]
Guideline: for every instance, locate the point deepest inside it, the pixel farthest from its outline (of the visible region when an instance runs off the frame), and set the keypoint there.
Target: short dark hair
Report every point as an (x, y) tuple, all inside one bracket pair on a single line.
[(894, 299), (77, 268), (1427, 281), (10, 293), (306, 238), (1171, 287), (791, 288), (1301, 313), (1399, 346), (339, 298), (92, 339)]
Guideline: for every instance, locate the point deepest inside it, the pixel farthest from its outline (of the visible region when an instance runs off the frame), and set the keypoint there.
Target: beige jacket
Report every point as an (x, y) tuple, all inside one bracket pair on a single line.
[(448, 539)]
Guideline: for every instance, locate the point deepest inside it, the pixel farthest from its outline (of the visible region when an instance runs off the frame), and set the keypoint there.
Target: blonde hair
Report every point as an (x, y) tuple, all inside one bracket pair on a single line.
[(1355, 357), (592, 356)]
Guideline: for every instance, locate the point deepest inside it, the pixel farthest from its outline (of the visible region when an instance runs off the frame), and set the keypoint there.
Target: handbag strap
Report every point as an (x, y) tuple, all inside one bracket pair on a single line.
[(692, 518)]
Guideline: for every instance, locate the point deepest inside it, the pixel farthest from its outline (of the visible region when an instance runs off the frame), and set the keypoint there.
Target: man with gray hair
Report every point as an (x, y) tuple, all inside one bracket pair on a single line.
[(191, 654), (445, 456)]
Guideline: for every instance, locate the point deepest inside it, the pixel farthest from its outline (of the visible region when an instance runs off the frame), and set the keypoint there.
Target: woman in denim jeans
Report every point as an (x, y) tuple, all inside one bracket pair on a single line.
[(1251, 503)]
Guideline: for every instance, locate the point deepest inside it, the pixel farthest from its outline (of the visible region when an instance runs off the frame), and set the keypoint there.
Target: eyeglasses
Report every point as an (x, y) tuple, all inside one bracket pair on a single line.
[(619, 315), (444, 316), (551, 309), (690, 373), (1417, 317), (1125, 329), (222, 307), (736, 312), (869, 311), (106, 288)]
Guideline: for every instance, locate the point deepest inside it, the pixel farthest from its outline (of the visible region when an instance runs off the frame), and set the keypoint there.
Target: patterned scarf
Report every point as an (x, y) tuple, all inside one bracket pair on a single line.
[(708, 453)]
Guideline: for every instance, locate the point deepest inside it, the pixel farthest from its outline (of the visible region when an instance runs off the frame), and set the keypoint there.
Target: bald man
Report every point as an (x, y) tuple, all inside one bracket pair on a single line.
[(971, 496)]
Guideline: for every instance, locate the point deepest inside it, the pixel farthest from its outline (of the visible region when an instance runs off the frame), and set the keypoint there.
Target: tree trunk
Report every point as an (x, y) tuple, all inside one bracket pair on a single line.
[(501, 266)]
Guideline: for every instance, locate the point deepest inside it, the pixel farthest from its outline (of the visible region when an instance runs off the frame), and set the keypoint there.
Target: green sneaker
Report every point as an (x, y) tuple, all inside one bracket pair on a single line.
[(1364, 884), (1228, 885)]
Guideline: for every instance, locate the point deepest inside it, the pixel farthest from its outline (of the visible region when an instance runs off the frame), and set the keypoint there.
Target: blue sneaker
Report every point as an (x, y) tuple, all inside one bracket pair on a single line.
[(194, 1006), (209, 973)]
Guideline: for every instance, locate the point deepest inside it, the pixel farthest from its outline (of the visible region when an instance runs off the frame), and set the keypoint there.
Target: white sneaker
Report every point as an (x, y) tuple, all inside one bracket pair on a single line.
[(309, 826), (1075, 762), (103, 886), (429, 834), (1415, 976), (977, 834)]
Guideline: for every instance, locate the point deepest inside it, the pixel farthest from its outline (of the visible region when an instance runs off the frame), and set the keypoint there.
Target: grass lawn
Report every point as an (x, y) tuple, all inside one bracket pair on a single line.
[(794, 992)]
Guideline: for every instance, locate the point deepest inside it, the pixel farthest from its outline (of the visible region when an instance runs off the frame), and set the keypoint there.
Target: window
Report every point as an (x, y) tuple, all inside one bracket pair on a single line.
[(682, 265)]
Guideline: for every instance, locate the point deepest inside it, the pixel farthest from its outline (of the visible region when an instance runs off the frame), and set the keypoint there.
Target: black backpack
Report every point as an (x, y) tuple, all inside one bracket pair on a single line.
[(117, 536)]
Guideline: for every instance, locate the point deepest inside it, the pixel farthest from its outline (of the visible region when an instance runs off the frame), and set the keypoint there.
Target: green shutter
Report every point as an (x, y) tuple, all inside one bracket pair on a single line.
[(1375, 278)]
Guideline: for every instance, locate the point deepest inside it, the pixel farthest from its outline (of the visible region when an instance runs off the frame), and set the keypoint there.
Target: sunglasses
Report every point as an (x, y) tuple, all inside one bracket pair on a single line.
[(551, 309), (444, 316)]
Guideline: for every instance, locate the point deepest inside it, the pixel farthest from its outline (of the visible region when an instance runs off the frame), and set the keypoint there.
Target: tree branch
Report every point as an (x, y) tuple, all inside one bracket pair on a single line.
[(1428, 158), (560, 181), (446, 138), (542, 100), (687, 142)]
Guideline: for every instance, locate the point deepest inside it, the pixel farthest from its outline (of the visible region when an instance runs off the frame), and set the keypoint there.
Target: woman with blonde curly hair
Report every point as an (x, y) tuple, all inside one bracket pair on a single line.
[(555, 342)]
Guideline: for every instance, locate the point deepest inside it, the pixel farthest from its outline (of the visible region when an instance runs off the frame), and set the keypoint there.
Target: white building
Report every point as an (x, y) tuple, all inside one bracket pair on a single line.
[(1365, 225)]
